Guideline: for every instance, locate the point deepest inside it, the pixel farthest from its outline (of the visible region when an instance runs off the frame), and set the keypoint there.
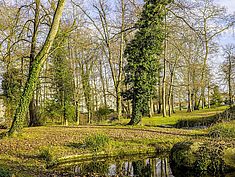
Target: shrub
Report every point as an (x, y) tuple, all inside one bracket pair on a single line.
[(46, 154), (96, 142), (55, 111), (223, 130), (5, 173), (103, 112)]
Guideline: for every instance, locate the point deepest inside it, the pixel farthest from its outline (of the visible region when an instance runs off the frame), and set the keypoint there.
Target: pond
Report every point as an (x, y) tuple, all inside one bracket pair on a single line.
[(129, 166)]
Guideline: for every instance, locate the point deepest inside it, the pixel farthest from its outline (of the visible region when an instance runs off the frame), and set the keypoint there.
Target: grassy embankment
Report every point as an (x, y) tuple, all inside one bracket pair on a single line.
[(36, 148)]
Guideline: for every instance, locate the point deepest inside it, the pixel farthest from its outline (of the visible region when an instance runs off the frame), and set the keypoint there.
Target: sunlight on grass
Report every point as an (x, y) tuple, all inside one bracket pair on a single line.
[(179, 115)]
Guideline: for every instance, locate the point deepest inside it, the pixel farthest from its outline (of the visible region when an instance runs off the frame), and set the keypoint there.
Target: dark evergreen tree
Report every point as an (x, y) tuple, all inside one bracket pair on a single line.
[(216, 98), (12, 89), (63, 79), (142, 56)]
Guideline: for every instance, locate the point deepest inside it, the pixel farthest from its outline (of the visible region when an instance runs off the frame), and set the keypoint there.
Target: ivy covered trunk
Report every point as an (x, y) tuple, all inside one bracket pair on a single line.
[(142, 55), (136, 111), (119, 102), (19, 117), (25, 99), (33, 117)]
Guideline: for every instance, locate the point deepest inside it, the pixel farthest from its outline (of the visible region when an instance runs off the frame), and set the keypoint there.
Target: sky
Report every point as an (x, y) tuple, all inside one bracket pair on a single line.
[(229, 35), (230, 4)]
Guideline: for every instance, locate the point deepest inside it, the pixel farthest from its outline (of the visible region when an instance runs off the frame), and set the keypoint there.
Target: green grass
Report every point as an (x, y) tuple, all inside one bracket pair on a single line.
[(223, 130), (96, 142), (158, 120), (31, 151)]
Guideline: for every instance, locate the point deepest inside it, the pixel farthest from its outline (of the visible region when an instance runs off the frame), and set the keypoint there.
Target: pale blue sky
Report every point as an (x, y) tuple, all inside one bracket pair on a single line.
[(229, 35), (230, 4)]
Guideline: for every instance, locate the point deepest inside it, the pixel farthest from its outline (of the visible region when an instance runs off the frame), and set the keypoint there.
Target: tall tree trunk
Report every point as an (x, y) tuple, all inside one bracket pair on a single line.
[(202, 94), (85, 74), (78, 97), (159, 93), (170, 93), (169, 103), (164, 88), (172, 101), (189, 101), (19, 117), (203, 100), (229, 81), (180, 103), (119, 82), (95, 96), (208, 94), (164, 75), (189, 94), (136, 112), (151, 107), (103, 85), (33, 118)]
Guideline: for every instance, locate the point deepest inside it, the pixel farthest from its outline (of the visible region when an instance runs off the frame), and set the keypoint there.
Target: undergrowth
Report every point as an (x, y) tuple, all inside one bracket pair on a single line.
[(223, 130), (96, 142)]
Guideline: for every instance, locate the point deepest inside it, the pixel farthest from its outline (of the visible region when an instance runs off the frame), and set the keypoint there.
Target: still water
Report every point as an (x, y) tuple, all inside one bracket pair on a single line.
[(134, 166)]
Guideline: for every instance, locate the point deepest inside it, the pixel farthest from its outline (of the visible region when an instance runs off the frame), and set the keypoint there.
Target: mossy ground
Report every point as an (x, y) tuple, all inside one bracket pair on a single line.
[(31, 152)]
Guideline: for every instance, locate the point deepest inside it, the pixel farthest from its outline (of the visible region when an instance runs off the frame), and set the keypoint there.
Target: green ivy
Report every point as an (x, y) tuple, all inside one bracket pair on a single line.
[(12, 89), (142, 55)]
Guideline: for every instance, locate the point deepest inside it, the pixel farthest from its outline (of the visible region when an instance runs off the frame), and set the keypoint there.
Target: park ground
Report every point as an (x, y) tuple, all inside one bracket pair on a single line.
[(37, 148)]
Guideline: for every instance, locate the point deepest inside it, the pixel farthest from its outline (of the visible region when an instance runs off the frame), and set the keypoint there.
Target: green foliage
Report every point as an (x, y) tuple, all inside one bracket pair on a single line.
[(46, 154), (11, 84), (223, 130), (70, 111), (96, 142), (199, 157), (210, 159), (142, 56), (216, 97), (103, 112), (4, 172), (12, 89), (63, 81), (52, 110)]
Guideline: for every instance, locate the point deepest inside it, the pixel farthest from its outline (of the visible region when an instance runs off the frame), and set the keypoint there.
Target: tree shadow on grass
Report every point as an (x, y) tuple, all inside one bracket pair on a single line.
[(76, 145)]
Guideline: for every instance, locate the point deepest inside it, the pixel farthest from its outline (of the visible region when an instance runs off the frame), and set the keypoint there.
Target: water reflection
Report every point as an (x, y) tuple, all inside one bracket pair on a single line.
[(132, 167)]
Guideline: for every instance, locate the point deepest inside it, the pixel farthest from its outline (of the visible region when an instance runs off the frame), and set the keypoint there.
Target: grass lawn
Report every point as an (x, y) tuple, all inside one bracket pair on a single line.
[(179, 115), (31, 152)]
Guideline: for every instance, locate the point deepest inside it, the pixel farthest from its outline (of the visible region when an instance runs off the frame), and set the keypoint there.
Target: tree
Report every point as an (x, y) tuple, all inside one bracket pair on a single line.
[(228, 70), (34, 120), (12, 89), (141, 54), (209, 13), (37, 65), (112, 28), (216, 96), (63, 77)]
